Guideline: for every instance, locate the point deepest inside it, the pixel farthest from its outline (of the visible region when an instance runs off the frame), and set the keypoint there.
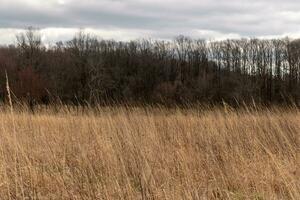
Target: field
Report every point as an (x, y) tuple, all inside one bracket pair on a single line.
[(150, 153)]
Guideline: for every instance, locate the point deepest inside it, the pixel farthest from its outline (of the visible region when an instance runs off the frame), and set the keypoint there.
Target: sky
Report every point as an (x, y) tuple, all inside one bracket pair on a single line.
[(157, 19)]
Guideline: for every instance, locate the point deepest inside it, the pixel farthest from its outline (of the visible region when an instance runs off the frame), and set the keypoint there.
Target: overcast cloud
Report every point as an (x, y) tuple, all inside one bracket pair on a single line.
[(163, 19)]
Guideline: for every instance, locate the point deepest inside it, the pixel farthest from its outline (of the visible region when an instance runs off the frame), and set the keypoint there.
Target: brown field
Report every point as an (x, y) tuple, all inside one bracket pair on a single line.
[(150, 153)]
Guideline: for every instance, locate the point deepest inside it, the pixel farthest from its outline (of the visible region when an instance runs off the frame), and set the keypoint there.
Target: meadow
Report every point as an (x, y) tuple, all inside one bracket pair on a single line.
[(150, 153)]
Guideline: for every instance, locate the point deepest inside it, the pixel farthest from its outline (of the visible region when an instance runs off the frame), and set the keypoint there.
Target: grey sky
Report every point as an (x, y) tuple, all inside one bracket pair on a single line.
[(130, 19)]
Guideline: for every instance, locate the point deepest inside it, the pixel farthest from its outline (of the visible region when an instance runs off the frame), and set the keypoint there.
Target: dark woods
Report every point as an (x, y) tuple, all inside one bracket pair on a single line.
[(89, 70)]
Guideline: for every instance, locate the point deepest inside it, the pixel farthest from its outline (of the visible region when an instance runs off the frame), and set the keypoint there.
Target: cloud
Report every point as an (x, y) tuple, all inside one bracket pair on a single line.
[(127, 19)]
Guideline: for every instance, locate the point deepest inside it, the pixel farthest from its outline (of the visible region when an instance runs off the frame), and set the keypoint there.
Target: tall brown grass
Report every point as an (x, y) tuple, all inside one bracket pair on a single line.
[(150, 153)]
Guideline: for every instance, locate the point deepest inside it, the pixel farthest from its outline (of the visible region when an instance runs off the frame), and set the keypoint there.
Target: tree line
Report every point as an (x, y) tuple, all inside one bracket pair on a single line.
[(87, 69)]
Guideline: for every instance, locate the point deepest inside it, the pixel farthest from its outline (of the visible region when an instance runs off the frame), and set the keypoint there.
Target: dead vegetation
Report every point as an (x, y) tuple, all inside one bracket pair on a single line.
[(150, 153)]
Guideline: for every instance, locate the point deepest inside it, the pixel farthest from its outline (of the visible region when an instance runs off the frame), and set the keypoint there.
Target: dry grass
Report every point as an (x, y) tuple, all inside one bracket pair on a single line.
[(150, 153)]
